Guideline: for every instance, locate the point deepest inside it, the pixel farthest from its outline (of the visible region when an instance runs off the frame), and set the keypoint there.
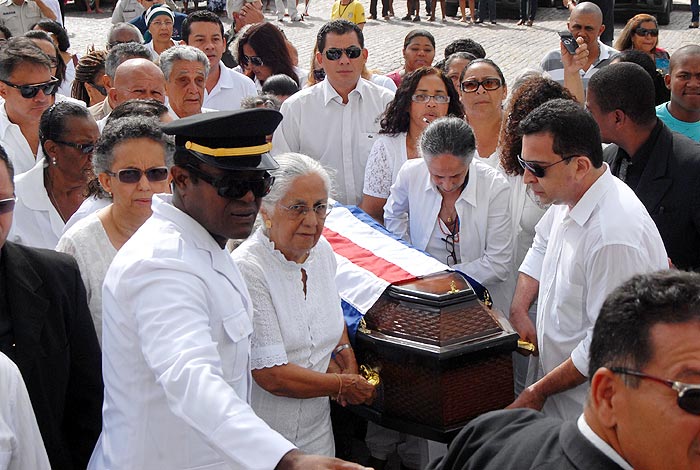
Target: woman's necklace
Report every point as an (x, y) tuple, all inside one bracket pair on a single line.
[(52, 198)]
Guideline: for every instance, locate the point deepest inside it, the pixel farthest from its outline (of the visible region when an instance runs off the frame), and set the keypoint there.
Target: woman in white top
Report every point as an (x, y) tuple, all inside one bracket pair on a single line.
[(49, 193), (160, 22), (423, 96), (483, 89), (69, 61), (526, 209), (131, 160), (300, 353), (455, 207)]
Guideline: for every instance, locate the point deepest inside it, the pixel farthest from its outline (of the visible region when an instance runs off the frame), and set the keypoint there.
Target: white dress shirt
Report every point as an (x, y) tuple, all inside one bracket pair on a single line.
[(579, 256), (16, 146), (36, 222), (21, 446), (340, 136), (600, 444), (177, 320), (485, 230), (228, 92)]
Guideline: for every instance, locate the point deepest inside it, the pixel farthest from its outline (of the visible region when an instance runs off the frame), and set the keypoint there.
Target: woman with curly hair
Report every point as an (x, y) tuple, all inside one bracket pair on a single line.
[(262, 50), (526, 209), (423, 96), (642, 33)]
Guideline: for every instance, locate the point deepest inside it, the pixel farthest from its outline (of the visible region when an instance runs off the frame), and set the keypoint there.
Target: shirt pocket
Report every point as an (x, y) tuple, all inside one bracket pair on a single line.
[(570, 308), (236, 345)]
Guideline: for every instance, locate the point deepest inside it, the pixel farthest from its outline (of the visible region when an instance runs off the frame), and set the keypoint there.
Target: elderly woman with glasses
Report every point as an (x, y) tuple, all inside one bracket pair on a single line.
[(300, 353), (49, 193), (455, 207), (131, 161), (160, 22), (484, 91), (423, 96), (642, 33)]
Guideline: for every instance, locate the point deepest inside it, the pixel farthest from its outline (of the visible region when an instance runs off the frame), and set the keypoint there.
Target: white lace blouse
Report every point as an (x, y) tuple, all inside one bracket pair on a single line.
[(385, 159), (291, 327)]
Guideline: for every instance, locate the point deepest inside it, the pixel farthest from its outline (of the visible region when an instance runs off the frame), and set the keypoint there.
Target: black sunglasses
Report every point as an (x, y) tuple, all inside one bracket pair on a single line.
[(489, 84), (335, 53), (133, 175), (537, 169), (319, 75), (7, 205), (85, 149), (654, 32), (100, 88), (688, 394), (255, 60), (230, 186), (30, 91)]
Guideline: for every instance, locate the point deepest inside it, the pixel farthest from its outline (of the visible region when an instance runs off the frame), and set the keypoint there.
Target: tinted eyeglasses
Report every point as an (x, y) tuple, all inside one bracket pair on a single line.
[(688, 394), (439, 99), (133, 175), (231, 186), (319, 75), (335, 53), (654, 32), (538, 169), (30, 91), (7, 205), (297, 211), (252, 59), (85, 149), (489, 84)]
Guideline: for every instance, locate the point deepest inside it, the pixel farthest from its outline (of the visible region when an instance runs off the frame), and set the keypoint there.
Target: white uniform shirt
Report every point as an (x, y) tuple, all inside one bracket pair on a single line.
[(228, 92), (36, 222), (485, 231), (176, 343), (126, 10), (340, 136), (21, 446), (19, 18), (579, 256)]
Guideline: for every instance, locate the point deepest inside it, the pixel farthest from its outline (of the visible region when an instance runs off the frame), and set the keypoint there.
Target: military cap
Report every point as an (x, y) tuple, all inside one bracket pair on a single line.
[(230, 140)]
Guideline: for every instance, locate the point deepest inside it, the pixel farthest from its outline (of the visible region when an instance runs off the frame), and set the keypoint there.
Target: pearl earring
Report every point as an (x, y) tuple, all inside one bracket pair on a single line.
[(53, 161)]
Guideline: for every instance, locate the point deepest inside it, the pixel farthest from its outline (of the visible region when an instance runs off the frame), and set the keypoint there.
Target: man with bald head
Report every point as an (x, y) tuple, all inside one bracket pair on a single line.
[(586, 25), (136, 79), (682, 113)]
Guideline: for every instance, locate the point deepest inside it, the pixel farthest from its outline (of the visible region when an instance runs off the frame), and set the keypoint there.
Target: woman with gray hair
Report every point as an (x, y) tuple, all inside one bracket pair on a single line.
[(131, 160), (455, 207), (300, 351)]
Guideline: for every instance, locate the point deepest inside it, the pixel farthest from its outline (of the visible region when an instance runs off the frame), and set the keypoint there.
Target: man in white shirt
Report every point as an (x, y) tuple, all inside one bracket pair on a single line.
[(225, 88), (178, 317), (19, 15), (186, 69), (21, 446), (336, 121), (596, 235), (28, 90), (643, 409)]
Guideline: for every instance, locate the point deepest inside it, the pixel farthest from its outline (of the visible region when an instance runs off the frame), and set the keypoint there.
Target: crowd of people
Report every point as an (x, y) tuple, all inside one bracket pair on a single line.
[(168, 300)]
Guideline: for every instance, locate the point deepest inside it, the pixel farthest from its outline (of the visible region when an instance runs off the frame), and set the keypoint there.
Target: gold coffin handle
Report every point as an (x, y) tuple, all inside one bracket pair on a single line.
[(371, 374), (526, 346)]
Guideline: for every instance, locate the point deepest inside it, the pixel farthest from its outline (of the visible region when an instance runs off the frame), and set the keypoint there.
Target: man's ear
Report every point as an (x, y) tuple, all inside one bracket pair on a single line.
[(601, 400), (602, 28), (180, 177), (106, 82), (667, 81)]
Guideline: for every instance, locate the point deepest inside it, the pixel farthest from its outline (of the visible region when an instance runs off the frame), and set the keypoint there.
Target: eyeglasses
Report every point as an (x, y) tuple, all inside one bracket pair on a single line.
[(53, 61), (296, 211), (688, 394), (537, 169), (231, 186), (7, 205), (252, 59), (133, 175), (439, 99), (654, 32), (100, 88), (85, 149), (319, 75), (160, 24), (30, 91), (489, 84), (335, 53)]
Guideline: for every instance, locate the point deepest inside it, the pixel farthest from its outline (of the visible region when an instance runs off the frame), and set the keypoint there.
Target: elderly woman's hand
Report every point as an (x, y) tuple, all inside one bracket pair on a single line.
[(356, 390)]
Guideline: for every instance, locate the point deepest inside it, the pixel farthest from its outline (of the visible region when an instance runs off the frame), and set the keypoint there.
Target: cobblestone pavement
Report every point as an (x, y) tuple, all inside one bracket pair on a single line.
[(512, 47)]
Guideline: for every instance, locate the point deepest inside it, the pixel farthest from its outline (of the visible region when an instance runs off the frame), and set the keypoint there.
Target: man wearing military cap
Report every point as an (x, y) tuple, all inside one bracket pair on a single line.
[(177, 314)]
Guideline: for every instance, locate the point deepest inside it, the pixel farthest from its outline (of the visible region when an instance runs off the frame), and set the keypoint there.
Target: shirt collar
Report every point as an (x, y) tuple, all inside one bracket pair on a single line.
[(600, 444), (605, 52), (225, 79), (4, 121), (34, 178), (468, 194), (329, 92), (162, 205), (583, 209)]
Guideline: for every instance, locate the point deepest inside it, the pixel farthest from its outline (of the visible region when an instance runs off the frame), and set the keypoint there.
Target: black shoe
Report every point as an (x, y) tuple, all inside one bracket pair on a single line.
[(493, 22), (406, 18), (416, 19), (371, 17)]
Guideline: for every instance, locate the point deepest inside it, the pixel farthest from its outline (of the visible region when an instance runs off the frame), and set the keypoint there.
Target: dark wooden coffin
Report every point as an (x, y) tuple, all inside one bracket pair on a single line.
[(442, 356)]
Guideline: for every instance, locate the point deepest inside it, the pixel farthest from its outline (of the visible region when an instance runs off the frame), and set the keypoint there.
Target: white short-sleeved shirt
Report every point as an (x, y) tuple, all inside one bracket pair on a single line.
[(228, 92), (291, 327), (579, 256)]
